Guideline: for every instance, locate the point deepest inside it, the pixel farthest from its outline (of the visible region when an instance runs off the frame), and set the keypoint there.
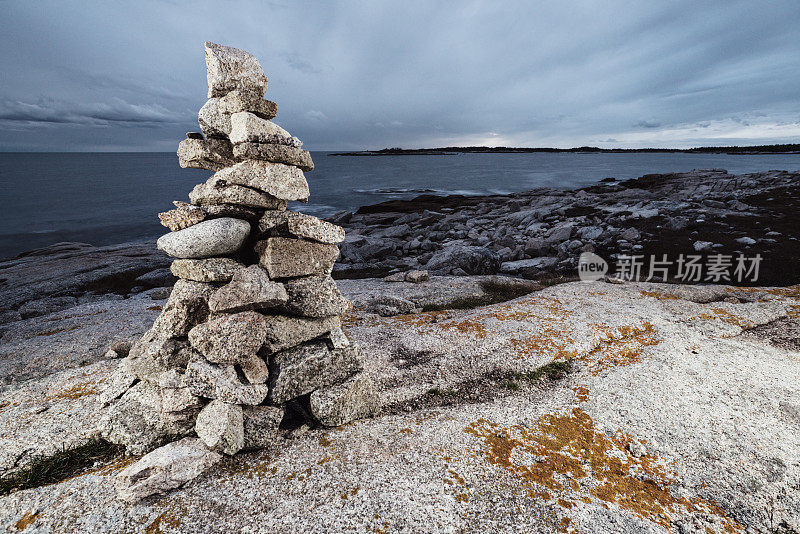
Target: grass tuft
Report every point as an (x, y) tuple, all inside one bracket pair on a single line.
[(62, 465)]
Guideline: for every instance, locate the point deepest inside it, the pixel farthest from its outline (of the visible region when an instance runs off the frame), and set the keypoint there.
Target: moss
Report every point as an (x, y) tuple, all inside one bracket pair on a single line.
[(436, 392), (60, 466), (554, 371)]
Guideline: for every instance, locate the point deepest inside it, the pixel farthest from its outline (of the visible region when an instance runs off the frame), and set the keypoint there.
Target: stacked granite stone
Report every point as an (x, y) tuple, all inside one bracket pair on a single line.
[(251, 335)]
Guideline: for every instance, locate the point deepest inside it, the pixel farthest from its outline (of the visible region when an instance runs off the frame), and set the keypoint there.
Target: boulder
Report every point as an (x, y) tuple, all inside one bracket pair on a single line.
[(416, 277), (390, 305), (215, 191), (275, 153), (472, 260), (221, 427), (222, 382), (186, 307), (355, 398), (250, 289), (261, 424), (215, 116), (231, 339), (284, 332), (216, 237), (310, 366), (164, 469), (525, 266), (154, 354), (255, 370), (250, 128), (286, 258), (183, 216), (315, 296), (301, 225), (208, 154), (206, 269), (338, 339), (230, 69), (275, 179), (235, 211)]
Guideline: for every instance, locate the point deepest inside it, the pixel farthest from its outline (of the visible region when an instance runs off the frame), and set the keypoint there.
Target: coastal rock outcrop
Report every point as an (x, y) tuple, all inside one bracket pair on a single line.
[(252, 327)]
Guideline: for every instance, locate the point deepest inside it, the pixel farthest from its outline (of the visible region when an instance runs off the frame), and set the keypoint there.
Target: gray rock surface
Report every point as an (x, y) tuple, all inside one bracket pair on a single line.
[(355, 398), (207, 154), (154, 354), (216, 191), (286, 258), (283, 332), (288, 155), (187, 306), (315, 296), (250, 289), (221, 427), (222, 382), (261, 426), (471, 260), (230, 69), (311, 366), (183, 216), (215, 116), (301, 225), (275, 179), (216, 237), (230, 339), (249, 128), (164, 469), (206, 269)]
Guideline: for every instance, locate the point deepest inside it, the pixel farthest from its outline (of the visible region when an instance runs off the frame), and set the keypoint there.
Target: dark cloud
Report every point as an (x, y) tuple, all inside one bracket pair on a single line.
[(376, 74)]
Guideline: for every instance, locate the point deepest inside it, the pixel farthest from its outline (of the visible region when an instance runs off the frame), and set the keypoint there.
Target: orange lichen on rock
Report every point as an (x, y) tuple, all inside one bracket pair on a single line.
[(581, 393), (26, 520), (162, 523), (720, 314), (620, 346), (574, 460), (75, 392), (659, 296)]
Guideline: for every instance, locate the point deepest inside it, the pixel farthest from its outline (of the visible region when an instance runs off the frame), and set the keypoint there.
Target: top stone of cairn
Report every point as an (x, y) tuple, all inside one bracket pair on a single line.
[(230, 69)]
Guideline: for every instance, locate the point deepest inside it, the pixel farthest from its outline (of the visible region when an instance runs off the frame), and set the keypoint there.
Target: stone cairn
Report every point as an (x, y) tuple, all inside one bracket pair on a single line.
[(251, 335)]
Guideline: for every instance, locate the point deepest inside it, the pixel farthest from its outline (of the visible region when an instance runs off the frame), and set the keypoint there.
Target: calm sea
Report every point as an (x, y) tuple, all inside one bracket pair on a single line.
[(106, 198)]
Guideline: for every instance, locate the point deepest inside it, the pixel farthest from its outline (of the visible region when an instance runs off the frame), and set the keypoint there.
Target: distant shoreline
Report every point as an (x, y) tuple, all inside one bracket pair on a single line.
[(453, 151)]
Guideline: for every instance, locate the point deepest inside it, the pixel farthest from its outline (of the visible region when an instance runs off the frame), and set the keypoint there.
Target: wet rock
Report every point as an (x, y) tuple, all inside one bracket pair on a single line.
[(285, 258), (249, 128), (315, 296), (250, 289), (222, 382), (231, 339), (221, 427), (206, 269), (284, 332), (288, 155), (216, 237), (275, 179), (311, 366), (157, 278), (183, 216), (301, 225), (471, 260), (208, 154), (187, 306), (164, 469), (45, 306), (261, 425), (215, 116), (337, 405), (230, 69), (523, 266)]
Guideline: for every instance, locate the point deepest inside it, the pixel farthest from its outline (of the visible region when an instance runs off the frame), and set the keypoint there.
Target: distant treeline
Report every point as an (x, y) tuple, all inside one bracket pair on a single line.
[(760, 149)]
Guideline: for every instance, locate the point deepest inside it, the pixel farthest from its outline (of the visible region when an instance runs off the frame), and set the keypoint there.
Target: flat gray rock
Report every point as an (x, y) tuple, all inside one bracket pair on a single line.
[(215, 116), (183, 216), (311, 366), (284, 332), (248, 127), (250, 289), (164, 469), (471, 260), (315, 296), (207, 154), (231, 339), (216, 191), (222, 382), (261, 425), (275, 179), (274, 153), (220, 426), (355, 398), (216, 237), (301, 225), (154, 354), (206, 269), (285, 258), (230, 69)]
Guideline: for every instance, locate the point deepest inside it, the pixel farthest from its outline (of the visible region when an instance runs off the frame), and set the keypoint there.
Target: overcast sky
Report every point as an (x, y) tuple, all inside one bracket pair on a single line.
[(118, 76)]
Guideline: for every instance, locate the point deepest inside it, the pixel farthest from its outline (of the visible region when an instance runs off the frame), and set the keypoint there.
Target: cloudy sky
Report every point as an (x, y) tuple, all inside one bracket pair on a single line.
[(119, 76)]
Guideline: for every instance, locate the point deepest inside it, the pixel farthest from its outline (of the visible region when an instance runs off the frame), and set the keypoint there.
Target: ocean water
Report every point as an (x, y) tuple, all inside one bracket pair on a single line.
[(107, 198)]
